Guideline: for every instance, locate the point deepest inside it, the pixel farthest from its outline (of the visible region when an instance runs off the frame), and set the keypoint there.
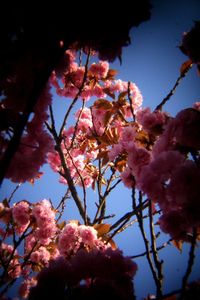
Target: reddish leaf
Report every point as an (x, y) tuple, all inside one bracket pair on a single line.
[(107, 117), (109, 93), (185, 66), (178, 244), (122, 95), (120, 165), (32, 180), (102, 104), (61, 225), (142, 137), (102, 229), (105, 159), (111, 74)]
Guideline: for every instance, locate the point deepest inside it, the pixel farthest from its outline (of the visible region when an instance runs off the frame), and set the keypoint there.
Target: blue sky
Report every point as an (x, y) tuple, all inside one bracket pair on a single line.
[(153, 62)]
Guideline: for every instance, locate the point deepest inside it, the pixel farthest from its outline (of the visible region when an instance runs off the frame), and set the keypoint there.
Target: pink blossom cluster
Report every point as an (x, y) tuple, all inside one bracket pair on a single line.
[(98, 83), (88, 275), (165, 172), (10, 258), (80, 142), (151, 121), (45, 220), (74, 237), (73, 79), (78, 151), (21, 215), (137, 155), (155, 150), (34, 144), (35, 225), (135, 96), (132, 135), (181, 132)]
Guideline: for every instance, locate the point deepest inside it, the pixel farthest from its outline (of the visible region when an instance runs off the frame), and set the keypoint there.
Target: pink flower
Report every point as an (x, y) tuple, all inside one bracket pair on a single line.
[(76, 77), (181, 131), (98, 92), (6, 248), (68, 238), (14, 268), (5, 213), (92, 154), (137, 159), (88, 180), (69, 91), (41, 255), (187, 128), (21, 213), (117, 86), (184, 190), (43, 213), (86, 94), (151, 121), (31, 155), (54, 161), (25, 287), (115, 151), (45, 219), (30, 242), (84, 113), (127, 178), (196, 106), (46, 233), (175, 224), (128, 135), (99, 70), (153, 177), (136, 96), (87, 234)]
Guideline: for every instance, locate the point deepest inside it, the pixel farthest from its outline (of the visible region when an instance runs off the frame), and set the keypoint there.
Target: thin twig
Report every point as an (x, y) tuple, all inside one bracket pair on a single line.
[(146, 242), (158, 249), (99, 220), (67, 174), (130, 101), (83, 185), (157, 262), (107, 192), (76, 126), (160, 106), (121, 228), (130, 214), (77, 95), (13, 192), (190, 264), (15, 245), (62, 204)]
